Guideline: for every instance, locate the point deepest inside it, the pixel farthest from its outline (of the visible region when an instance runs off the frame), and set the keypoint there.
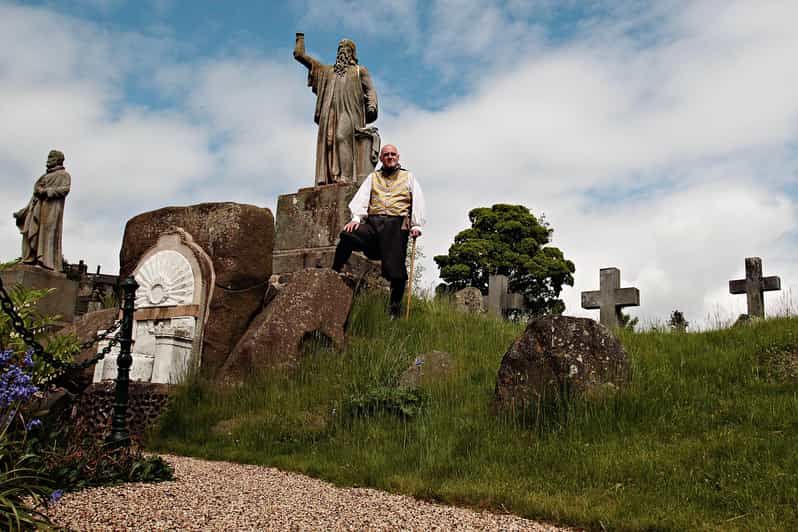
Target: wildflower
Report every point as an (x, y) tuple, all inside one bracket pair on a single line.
[(33, 424), (55, 497)]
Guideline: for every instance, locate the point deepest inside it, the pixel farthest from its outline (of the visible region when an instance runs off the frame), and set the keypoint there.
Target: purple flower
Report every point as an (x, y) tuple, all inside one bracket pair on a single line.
[(33, 424), (54, 497)]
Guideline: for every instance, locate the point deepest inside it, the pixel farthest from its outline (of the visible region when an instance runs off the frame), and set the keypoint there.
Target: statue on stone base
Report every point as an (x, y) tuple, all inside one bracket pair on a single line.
[(346, 150), (41, 222)]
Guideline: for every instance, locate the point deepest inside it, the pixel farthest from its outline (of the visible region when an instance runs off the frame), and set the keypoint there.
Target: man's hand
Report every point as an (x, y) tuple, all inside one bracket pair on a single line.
[(415, 232), (351, 226)]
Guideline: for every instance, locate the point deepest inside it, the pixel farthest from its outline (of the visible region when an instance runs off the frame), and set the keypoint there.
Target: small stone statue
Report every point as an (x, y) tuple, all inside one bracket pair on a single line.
[(346, 150), (41, 222)]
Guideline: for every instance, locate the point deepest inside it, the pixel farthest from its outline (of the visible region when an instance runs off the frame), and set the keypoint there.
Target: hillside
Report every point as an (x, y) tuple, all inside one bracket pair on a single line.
[(704, 438)]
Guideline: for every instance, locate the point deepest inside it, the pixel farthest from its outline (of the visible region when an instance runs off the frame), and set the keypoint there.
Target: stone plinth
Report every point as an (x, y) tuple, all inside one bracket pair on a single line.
[(307, 229), (62, 301)]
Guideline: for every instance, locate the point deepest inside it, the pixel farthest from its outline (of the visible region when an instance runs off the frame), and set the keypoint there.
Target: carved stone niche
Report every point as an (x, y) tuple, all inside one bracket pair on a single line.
[(176, 280)]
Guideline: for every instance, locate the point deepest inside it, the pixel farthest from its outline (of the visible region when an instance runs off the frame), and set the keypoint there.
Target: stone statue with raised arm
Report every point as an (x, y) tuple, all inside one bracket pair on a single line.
[(41, 222), (346, 150)]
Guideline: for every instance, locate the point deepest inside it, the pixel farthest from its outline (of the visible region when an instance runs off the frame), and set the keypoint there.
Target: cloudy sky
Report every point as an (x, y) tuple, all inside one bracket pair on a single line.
[(659, 137)]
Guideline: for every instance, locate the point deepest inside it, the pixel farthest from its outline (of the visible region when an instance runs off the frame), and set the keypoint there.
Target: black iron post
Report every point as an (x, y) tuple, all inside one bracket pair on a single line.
[(120, 437)]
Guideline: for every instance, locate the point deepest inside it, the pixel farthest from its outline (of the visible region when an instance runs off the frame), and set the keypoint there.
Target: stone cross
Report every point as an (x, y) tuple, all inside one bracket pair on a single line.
[(610, 298), (754, 285), (498, 299)]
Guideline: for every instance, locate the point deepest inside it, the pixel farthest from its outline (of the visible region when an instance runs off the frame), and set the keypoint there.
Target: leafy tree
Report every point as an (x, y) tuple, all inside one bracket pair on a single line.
[(677, 323), (509, 240), (626, 321)]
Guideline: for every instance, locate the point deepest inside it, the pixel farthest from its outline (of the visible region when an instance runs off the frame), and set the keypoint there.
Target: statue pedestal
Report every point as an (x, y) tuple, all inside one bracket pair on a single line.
[(62, 301), (307, 228)]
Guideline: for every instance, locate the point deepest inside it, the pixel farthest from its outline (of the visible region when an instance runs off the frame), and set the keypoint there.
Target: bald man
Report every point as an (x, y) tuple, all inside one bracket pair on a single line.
[(386, 210)]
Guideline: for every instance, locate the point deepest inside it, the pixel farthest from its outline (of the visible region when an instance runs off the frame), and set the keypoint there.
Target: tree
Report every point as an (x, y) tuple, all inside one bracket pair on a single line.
[(509, 240), (626, 321), (677, 322)]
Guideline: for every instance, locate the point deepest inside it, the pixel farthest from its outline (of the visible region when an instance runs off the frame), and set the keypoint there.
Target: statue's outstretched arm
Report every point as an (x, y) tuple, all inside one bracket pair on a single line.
[(299, 52), (369, 95)]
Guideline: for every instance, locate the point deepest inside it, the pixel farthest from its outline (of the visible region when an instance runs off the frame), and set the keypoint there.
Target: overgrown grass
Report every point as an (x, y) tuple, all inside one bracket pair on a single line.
[(704, 438)]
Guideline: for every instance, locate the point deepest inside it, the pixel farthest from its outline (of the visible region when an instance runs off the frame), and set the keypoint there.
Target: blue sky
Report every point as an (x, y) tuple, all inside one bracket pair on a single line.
[(657, 137)]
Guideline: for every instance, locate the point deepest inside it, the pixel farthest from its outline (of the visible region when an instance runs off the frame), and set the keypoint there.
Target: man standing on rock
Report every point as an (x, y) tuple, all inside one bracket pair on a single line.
[(387, 209)]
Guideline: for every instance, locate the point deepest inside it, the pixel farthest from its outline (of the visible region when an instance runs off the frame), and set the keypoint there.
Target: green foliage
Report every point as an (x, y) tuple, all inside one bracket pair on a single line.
[(509, 240), (402, 401), (677, 323), (94, 463), (626, 321), (18, 480), (61, 347), (703, 438)]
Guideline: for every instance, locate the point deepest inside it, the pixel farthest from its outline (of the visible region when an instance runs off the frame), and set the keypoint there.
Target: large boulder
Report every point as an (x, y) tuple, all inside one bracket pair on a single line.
[(238, 239), (559, 355), (309, 303)]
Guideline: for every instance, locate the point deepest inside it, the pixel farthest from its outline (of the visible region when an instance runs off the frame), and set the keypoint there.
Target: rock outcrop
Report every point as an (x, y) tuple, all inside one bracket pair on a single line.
[(310, 302)]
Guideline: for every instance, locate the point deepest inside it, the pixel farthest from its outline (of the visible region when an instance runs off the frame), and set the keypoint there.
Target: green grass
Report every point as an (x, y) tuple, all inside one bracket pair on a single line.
[(704, 438)]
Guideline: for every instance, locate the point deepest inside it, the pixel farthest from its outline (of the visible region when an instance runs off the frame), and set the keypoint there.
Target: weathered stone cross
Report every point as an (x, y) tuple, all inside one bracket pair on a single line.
[(610, 298), (754, 285), (498, 299)]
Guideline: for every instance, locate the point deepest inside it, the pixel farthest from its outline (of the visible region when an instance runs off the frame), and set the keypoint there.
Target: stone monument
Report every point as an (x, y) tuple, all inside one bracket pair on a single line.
[(346, 151), (203, 271), (610, 298), (309, 221), (754, 285), (41, 223)]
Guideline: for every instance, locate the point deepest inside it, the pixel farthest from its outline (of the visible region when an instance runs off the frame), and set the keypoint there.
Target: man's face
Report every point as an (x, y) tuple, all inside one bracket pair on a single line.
[(389, 156)]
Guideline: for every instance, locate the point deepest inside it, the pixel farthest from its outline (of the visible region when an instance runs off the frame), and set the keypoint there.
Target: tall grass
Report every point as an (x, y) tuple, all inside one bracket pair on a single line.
[(703, 438)]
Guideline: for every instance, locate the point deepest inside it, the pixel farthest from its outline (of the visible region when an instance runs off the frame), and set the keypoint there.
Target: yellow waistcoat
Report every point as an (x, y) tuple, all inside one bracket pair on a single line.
[(390, 195)]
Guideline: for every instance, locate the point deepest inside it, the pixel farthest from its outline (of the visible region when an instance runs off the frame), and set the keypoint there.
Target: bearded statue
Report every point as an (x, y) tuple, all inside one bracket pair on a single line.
[(346, 150), (41, 222)]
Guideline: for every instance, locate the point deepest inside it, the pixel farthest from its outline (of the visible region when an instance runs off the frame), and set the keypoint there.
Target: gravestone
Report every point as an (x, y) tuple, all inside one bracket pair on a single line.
[(754, 286), (469, 299), (610, 298), (499, 300), (175, 280), (228, 247)]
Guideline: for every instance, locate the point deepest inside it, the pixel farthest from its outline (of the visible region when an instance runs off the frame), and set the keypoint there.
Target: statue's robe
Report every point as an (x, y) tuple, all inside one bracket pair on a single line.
[(41, 222), (345, 148)]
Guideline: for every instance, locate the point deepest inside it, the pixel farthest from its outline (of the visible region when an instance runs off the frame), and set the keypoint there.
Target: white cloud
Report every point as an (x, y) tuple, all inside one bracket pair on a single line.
[(667, 156)]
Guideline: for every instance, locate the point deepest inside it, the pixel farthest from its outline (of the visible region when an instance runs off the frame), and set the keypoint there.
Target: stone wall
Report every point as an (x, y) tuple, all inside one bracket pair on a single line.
[(146, 402)]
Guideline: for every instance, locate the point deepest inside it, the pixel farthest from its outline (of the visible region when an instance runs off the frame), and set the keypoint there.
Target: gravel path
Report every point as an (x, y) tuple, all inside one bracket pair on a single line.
[(226, 496)]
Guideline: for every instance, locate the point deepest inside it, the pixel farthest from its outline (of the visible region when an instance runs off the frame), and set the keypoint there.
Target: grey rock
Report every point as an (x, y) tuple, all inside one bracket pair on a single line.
[(469, 299), (559, 355)]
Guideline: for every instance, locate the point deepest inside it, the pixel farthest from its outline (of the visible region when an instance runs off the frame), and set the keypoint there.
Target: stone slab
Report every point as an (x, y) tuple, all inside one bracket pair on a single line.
[(62, 301)]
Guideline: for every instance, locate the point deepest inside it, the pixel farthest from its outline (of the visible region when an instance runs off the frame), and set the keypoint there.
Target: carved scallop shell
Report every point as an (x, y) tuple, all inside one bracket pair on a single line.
[(165, 279)]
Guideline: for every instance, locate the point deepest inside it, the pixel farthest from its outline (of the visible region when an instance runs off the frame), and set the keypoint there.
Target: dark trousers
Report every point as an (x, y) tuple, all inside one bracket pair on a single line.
[(379, 237)]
